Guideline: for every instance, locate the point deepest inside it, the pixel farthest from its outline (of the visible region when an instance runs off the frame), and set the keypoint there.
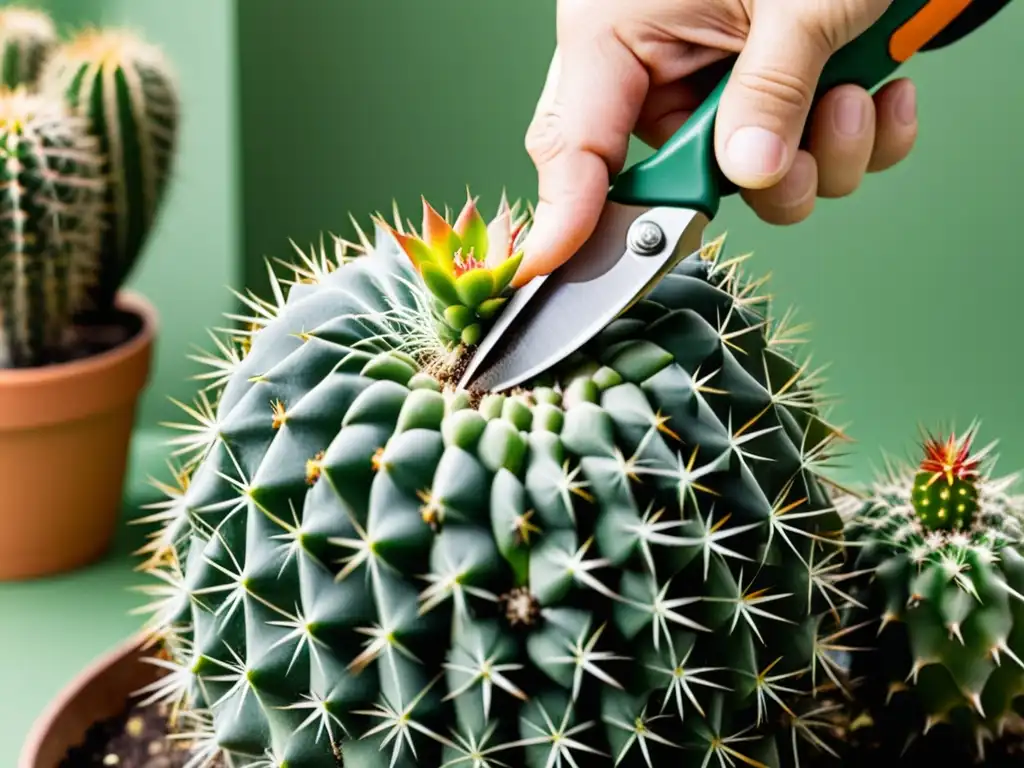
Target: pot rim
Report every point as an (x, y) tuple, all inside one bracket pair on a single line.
[(40, 731), (58, 394), (128, 301)]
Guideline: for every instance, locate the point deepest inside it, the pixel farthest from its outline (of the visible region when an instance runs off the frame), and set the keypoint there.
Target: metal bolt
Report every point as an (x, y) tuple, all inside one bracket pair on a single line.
[(646, 238)]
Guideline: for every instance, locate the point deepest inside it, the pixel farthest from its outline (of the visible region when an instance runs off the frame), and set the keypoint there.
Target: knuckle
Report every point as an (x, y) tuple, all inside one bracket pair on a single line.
[(825, 33), (783, 88), (545, 138), (831, 25)]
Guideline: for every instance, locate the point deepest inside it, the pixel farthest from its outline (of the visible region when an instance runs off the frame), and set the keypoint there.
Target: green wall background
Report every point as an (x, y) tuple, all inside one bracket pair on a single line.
[(912, 284), (194, 253), (347, 106)]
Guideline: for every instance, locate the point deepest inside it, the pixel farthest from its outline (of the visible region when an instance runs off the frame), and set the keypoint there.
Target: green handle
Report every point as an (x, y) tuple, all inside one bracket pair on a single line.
[(684, 172)]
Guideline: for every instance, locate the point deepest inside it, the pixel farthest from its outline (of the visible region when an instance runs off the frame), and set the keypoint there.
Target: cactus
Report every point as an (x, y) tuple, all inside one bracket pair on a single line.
[(939, 612), (125, 88), (27, 36), (51, 197), (629, 561)]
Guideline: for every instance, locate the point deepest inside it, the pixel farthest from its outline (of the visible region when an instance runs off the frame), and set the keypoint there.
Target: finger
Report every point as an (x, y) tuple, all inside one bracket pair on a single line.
[(792, 199), (670, 104), (842, 138), (896, 131), (578, 138), (666, 109), (766, 102)]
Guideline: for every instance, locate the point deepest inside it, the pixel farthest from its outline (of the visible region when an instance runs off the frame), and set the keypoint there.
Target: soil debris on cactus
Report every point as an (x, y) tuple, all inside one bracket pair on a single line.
[(631, 560)]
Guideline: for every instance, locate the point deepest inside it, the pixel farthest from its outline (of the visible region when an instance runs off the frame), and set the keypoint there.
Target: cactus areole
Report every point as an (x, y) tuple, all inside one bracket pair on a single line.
[(627, 561)]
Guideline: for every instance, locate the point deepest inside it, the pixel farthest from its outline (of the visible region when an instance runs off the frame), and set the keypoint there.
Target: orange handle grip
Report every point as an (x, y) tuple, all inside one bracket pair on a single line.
[(923, 26)]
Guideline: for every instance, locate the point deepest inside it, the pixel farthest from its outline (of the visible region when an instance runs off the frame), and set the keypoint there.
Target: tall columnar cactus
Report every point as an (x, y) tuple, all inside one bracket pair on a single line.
[(630, 561), (27, 36), (941, 603), (125, 88), (51, 195)]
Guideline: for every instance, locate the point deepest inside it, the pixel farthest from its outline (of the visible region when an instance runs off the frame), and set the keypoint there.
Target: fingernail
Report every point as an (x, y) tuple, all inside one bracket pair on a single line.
[(756, 151), (850, 116), (906, 105)]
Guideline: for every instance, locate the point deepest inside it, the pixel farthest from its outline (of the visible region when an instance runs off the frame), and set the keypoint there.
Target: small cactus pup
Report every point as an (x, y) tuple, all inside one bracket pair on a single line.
[(125, 88), (942, 612), (466, 267), (27, 36), (51, 197), (631, 560)]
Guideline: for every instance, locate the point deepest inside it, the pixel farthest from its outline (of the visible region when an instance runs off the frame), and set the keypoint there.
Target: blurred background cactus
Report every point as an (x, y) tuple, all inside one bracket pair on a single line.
[(50, 208), (27, 36), (124, 86), (89, 131)]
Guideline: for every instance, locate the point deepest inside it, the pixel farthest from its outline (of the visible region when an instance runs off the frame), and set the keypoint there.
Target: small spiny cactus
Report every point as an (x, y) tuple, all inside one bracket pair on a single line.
[(938, 614)]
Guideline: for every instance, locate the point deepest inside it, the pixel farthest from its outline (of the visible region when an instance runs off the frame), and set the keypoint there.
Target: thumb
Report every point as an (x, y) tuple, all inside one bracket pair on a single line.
[(579, 137), (767, 100)]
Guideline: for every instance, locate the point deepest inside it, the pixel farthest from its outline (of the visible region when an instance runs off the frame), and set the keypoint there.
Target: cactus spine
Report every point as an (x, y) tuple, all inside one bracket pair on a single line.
[(50, 217), (27, 37), (125, 88)]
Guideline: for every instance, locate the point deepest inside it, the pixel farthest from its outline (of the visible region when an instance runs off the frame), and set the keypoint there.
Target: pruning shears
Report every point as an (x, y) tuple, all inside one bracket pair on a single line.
[(658, 209)]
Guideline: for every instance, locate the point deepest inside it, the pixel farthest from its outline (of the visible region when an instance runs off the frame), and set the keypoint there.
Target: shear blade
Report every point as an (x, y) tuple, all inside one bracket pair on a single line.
[(553, 316)]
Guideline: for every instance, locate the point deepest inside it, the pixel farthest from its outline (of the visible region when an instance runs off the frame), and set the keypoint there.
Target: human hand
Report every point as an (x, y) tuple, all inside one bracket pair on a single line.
[(643, 66)]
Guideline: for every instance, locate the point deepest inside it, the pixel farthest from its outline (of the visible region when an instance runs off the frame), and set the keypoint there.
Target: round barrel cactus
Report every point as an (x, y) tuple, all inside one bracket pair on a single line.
[(125, 88), (632, 560), (51, 198), (938, 617)]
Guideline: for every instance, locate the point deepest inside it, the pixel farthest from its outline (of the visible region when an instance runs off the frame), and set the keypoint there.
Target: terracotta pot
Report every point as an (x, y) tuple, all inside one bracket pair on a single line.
[(101, 691), (65, 432)]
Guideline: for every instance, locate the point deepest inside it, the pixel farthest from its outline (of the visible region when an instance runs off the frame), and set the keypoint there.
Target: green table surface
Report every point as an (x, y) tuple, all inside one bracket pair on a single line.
[(51, 628)]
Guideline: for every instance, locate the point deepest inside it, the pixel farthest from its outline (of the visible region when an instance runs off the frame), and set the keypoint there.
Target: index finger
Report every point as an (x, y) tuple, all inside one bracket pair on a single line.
[(578, 138)]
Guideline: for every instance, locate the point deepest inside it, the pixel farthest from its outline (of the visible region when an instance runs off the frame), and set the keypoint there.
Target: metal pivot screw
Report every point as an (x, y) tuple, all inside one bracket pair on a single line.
[(645, 238)]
